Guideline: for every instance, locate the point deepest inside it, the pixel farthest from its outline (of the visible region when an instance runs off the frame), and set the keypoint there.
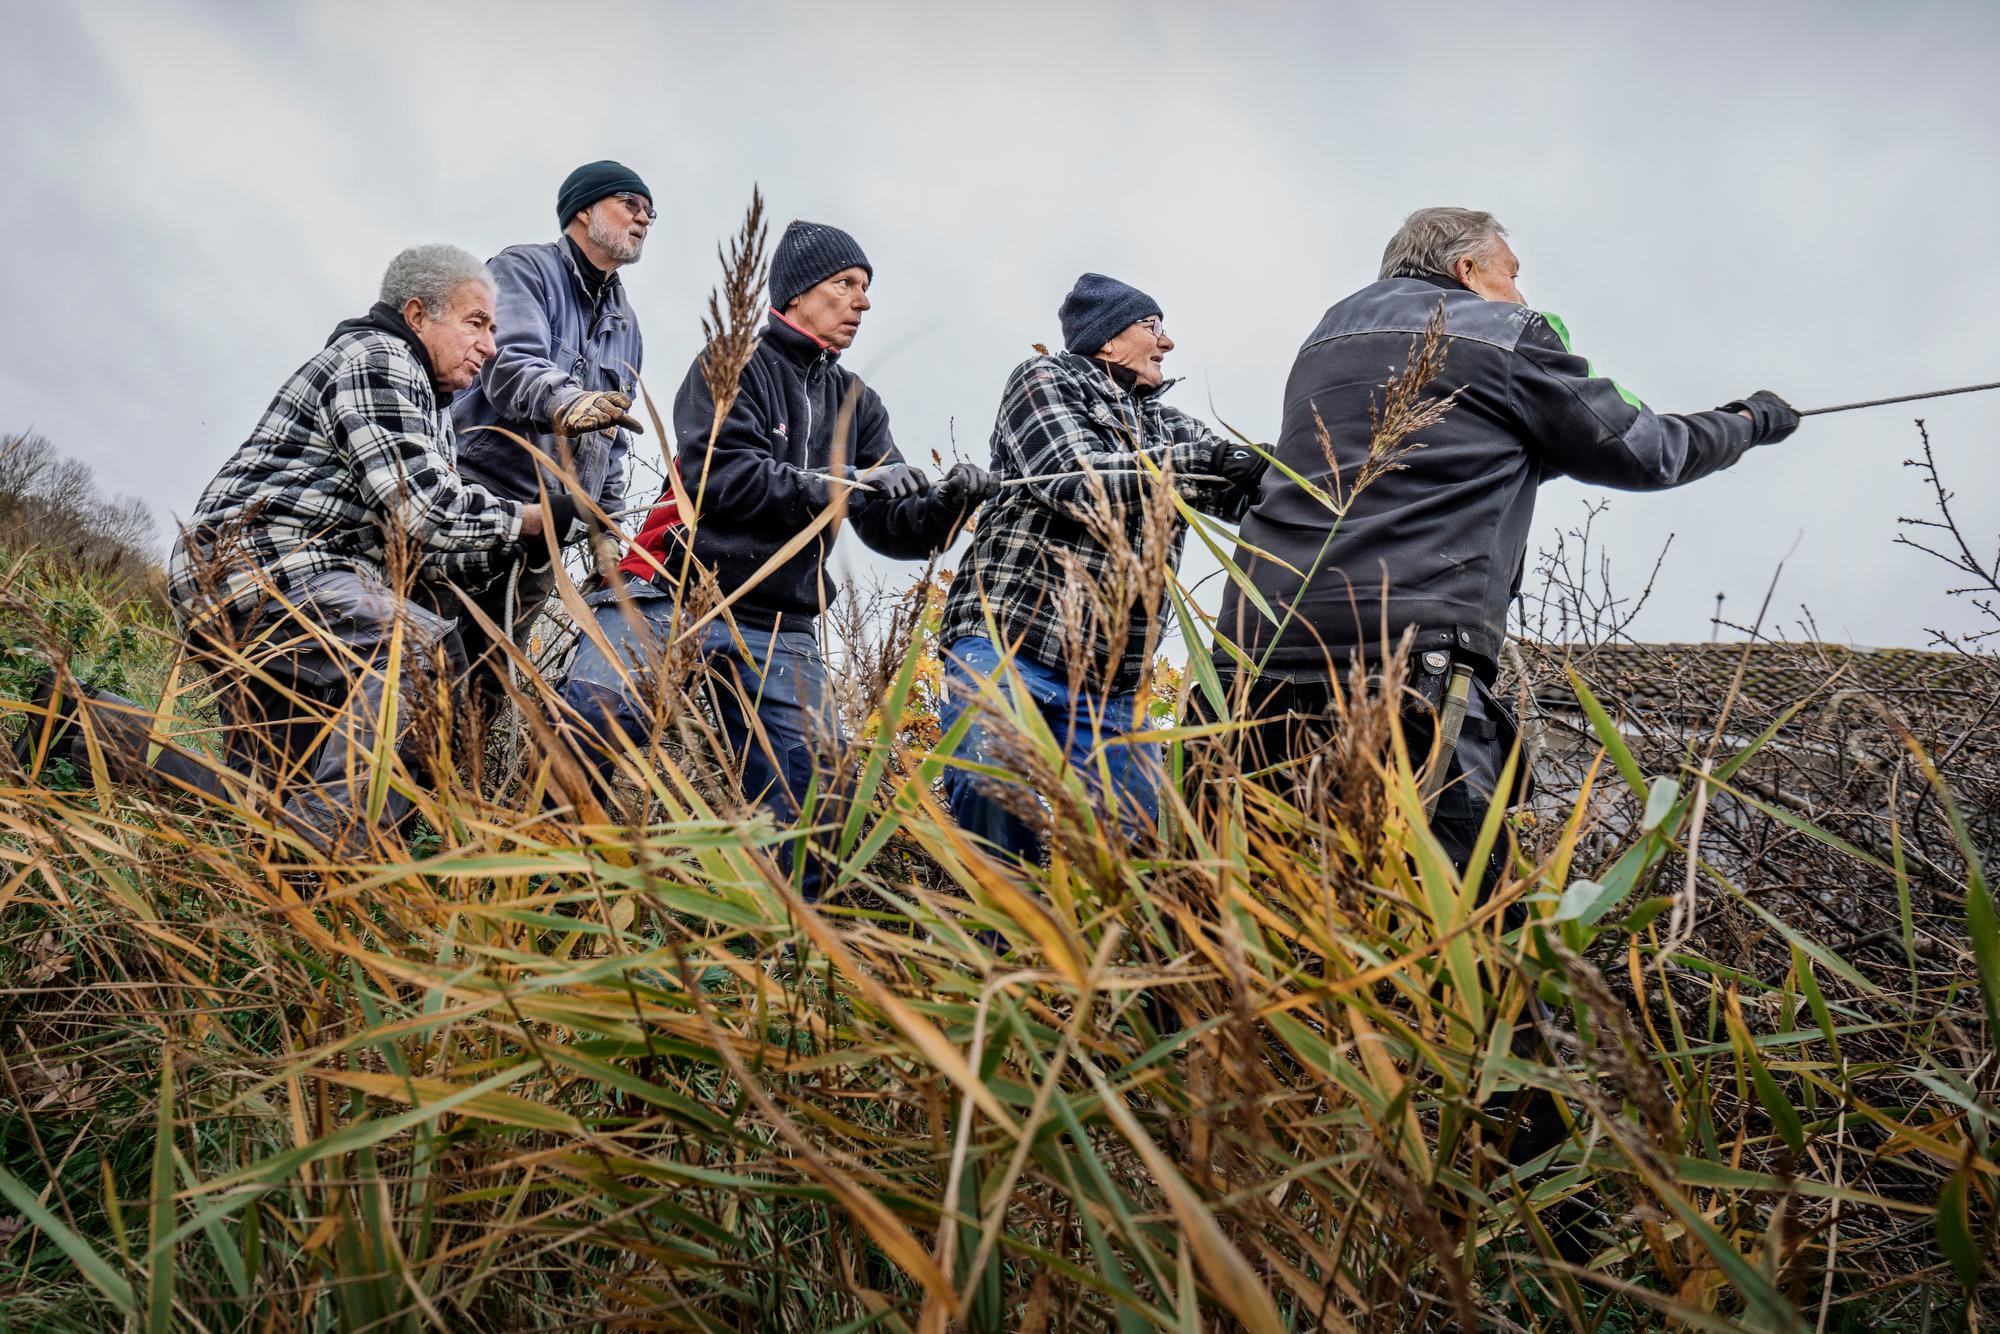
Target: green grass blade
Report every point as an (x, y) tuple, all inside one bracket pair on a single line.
[(1609, 736), (160, 1245), (88, 1262), (1954, 1233)]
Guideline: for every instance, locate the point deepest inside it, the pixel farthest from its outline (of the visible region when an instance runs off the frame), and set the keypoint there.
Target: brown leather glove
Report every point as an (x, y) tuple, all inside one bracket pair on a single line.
[(605, 553), (595, 410)]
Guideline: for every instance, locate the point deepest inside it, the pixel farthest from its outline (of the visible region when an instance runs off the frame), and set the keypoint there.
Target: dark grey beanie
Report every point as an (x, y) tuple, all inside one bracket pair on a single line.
[(808, 254), (1097, 308), (592, 182)]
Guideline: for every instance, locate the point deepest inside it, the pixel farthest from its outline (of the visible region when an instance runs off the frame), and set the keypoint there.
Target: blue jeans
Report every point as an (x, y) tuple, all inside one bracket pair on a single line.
[(780, 684), (1081, 723)]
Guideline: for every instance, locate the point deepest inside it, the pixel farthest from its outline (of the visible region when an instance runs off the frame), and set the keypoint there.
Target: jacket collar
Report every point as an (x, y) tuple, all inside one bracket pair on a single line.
[(1442, 280), (594, 279), (595, 284), (1118, 377), (386, 319), (799, 344)]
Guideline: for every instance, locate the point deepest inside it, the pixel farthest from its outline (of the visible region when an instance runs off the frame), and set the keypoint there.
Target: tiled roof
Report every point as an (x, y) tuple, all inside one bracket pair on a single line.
[(1688, 682)]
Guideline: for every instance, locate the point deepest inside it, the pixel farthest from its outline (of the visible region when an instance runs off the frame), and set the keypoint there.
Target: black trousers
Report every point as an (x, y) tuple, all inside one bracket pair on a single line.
[(1290, 720), (487, 657)]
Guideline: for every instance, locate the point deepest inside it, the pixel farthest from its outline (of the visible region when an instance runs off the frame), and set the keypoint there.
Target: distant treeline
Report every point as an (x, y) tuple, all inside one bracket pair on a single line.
[(53, 509)]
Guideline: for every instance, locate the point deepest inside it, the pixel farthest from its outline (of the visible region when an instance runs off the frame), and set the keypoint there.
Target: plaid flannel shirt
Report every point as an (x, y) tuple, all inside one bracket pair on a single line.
[(1065, 415), (354, 455)]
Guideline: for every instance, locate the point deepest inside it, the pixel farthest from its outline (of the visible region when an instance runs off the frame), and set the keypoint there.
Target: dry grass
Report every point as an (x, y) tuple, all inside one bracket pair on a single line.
[(539, 1064)]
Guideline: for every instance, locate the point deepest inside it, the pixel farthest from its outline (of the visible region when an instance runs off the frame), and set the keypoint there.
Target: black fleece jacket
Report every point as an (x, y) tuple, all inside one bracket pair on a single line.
[(1438, 543), (755, 487)]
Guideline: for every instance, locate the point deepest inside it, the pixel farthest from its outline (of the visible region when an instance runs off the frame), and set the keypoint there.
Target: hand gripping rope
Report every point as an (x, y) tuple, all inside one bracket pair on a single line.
[(1205, 477)]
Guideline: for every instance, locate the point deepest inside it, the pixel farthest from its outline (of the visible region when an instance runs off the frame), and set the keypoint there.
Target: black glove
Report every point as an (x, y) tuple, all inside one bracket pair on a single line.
[(1243, 466), (820, 487), (896, 481), (1771, 418), (966, 485), (561, 516)]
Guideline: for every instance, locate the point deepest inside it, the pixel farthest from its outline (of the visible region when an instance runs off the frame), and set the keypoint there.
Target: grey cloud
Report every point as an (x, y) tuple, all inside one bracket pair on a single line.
[(1716, 197)]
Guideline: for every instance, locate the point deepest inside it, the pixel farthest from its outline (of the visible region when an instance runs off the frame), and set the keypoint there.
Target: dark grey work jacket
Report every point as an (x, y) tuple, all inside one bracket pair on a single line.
[(1446, 534)]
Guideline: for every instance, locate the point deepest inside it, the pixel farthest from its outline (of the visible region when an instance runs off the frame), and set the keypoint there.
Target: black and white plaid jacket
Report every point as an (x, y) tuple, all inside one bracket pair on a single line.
[(355, 455), (1038, 547)]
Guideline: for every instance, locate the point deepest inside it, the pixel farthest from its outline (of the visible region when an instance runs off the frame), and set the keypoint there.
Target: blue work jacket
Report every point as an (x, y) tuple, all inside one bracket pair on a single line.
[(555, 343)]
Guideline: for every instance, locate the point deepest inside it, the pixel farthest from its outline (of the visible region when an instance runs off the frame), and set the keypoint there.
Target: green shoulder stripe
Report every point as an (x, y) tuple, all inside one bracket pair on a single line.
[(1562, 332)]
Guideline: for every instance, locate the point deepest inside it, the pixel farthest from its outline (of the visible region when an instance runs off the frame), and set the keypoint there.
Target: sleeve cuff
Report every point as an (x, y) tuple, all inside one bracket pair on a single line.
[(561, 394)]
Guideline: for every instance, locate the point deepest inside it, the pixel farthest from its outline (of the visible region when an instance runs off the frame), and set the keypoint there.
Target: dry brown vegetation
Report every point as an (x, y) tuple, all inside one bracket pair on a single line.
[(556, 1059)]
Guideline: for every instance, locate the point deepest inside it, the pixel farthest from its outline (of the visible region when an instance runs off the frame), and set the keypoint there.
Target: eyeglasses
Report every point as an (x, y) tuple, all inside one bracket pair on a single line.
[(638, 206), (1153, 325)]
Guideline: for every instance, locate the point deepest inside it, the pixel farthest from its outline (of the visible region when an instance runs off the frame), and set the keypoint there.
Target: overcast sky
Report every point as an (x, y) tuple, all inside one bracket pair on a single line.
[(1716, 199)]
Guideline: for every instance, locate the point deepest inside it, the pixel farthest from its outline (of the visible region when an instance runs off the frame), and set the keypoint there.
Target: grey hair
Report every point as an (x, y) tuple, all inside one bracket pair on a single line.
[(431, 273), (1433, 240)]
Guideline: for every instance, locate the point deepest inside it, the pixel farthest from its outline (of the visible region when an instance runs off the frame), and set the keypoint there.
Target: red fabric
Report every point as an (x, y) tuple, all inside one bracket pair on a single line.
[(779, 314), (666, 515), (652, 538)]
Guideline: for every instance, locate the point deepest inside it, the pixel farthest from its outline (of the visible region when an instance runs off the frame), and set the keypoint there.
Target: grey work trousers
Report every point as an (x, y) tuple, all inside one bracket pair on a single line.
[(309, 719), (303, 694)]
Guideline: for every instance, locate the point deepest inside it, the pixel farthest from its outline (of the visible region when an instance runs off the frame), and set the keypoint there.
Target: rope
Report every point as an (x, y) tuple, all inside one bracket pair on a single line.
[(1006, 482), (1211, 477), (1900, 398), (509, 590), (508, 724), (1103, 472)]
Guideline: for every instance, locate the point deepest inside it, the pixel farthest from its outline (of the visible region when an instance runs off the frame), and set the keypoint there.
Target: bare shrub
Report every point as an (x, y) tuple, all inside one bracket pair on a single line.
[(51, 508)]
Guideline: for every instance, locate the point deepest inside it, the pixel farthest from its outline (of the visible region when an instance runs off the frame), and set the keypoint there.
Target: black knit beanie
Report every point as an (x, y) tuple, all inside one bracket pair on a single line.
[(1097, 308), (808, 254), (592, 182)]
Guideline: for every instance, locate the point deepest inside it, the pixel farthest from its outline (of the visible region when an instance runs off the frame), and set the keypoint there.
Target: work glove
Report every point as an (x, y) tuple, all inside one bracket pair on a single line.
[(1771, 418), (605, 553), (1241, 465), (819, 487), (966, 485), (595, 410), (560, 517), (896, 481)]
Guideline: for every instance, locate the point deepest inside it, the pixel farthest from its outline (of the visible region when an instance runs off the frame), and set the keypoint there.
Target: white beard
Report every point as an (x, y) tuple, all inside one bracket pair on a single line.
[(618, 244)]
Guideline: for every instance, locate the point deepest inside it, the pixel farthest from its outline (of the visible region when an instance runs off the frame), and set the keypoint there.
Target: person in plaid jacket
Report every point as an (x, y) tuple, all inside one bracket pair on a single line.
[(339, 521), (1053, 589)]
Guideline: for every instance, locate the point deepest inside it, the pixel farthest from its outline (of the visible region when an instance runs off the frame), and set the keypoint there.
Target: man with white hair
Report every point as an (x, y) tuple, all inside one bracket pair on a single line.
[(336, 529), (1433, 546)]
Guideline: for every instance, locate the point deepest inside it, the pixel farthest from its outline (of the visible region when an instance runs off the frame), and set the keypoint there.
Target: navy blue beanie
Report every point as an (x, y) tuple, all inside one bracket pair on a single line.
[(808, 254), (592, 182), (1097, 308)]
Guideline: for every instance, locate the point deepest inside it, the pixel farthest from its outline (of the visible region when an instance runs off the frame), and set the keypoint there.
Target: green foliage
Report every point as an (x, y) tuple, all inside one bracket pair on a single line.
[(541, 1069)]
